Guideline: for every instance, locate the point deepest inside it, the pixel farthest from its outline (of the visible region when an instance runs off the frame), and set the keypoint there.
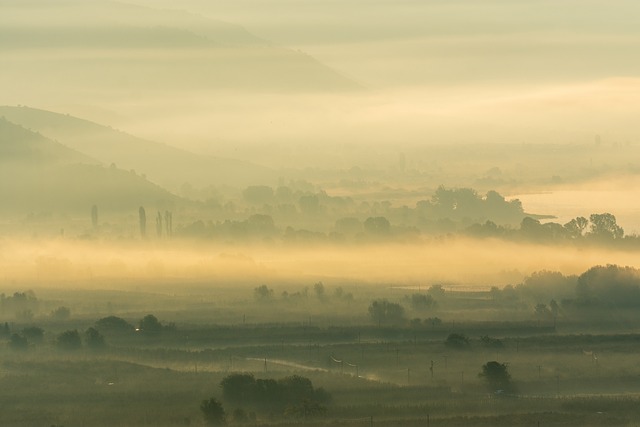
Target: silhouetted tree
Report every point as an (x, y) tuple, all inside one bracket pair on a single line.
[(33, 334), (168, 223), (436, 291), (262, 293), (18, 342), (114, 324), (213, 412), (457, 342), (61, 313), (69, 340), (94, 339), (159, 224), (496, 376), (385, 312), (489, 342), (150, 324), (604, 226), (576, 227), (142, 218), (318, 288), (422, 302), (611, 286), (377, 225), (305, 409), (238, 388), (240, 416), (542, 312), (94, 216)]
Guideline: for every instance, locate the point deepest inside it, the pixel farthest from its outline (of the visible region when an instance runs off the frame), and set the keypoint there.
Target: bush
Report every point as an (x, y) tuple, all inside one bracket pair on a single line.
[(496, 376), (213, 412), (457, 342)]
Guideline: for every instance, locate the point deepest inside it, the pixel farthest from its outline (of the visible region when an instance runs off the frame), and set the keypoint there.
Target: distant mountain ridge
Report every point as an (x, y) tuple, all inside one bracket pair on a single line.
[(167, 166), (116, 48)]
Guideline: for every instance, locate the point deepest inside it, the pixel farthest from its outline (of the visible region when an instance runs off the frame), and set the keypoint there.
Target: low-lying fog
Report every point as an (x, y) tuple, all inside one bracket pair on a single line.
[(454, 261)]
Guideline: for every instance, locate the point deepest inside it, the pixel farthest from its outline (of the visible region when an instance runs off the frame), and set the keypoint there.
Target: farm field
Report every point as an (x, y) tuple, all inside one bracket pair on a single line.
[(417, 372)]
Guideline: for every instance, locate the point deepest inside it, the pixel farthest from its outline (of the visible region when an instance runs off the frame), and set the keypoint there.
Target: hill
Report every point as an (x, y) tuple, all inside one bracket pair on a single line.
[(76, 50), (38, 174), (162, 164)]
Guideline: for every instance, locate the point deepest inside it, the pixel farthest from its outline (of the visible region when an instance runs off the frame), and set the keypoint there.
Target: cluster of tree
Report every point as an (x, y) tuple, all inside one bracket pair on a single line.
[(315, 216), (462, 204), (22, 305), (496, 377), (600, 228), (214, 413), (457, 341), (257, 226), (264, 293), (609, 286), (67, 340), (93, 339), (148, 325), (384, 312), (422, 302), (164, 223), (288, 392)]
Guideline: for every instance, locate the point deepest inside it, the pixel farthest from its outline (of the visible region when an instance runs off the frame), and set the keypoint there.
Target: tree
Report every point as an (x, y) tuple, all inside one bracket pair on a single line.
[(69, 340), (5, 330), (378, 225), (94, 339), (318, 288), (33, 334), (150, 324), (496, 376), (238, 388), (436, 291), (61, 313), (94, 216), (610, 285), (306, 409), (383, 311), (240, 416), (159, 225), (262, 293), (114, 324), (604, 226), (168, 223), (142, 218), (576, 227), (422, 302), (457, 342), (18, 342), (213, 412)]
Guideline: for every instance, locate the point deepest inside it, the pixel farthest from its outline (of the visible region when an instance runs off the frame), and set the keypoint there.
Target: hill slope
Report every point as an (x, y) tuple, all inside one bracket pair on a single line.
[(39, 174), (165, 165), (77, 49)]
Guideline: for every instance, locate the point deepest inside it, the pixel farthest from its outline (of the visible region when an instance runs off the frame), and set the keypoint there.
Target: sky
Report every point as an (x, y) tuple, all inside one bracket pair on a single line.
[(428, 72), (224, 77)]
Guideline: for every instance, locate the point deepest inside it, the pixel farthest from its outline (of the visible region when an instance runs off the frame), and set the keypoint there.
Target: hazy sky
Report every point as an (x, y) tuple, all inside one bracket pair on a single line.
[(432, 71)]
